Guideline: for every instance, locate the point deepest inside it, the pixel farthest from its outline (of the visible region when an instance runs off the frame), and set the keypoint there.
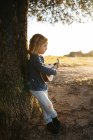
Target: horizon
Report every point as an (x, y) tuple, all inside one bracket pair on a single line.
[(73, 52), (63, 39)]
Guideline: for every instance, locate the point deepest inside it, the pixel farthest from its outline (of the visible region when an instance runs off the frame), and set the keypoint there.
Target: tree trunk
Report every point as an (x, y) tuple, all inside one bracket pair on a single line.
[(15, 104)]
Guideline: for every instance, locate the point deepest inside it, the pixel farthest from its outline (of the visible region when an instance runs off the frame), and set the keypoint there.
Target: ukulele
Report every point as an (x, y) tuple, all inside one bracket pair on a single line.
[(47, 78)]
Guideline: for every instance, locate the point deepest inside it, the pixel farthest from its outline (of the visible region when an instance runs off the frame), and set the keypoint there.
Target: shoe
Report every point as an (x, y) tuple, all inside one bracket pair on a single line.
[(51, 127), (57, 123)]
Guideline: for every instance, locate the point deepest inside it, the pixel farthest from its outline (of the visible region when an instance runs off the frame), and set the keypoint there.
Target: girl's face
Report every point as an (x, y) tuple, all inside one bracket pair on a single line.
[(42, 49)]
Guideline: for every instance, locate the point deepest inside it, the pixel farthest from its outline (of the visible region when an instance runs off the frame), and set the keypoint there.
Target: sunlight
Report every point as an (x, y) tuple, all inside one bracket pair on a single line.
[(62, 39)]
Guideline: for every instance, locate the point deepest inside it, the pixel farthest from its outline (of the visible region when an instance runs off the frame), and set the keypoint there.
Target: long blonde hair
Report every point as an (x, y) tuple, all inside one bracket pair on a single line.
[(36, 42)]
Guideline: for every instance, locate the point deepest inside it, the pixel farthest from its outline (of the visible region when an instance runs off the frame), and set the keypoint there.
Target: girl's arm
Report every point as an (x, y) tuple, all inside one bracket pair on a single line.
[(41, 67)]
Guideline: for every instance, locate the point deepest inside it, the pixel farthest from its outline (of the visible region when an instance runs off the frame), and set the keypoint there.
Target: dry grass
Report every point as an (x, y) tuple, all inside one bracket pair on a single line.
[(70, 61)]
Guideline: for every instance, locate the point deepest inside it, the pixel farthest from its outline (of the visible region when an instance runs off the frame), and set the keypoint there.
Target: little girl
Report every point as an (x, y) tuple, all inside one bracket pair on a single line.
[(37, 86)]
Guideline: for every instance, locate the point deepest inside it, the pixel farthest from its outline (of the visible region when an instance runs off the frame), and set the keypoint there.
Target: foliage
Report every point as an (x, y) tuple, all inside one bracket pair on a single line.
[(65, 11), (80, 54)]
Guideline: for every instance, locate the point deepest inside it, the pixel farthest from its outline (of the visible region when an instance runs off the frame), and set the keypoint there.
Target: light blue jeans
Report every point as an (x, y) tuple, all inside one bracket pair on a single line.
[(46, 105)]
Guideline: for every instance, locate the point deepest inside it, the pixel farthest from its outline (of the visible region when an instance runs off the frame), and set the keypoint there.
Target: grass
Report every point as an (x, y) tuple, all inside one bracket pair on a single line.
[(70, 61)]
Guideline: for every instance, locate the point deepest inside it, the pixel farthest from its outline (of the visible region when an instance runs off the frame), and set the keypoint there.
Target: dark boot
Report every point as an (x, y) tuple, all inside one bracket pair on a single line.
[(57, 123), (51, 127)]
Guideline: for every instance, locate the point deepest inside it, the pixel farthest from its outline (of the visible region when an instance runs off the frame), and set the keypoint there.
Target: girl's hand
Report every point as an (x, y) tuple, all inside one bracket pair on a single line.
[(57, 64)]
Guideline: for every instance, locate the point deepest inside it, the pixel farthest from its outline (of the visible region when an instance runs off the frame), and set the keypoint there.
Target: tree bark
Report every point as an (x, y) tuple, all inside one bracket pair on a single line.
[(15, 104)]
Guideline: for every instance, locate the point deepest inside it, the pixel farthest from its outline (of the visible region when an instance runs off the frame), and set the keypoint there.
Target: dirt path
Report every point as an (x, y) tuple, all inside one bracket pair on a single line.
[(72, 95), (69, 74)]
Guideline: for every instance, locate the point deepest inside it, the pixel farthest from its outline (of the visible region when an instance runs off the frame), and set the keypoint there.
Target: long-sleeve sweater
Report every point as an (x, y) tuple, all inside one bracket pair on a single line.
[(35, 66)]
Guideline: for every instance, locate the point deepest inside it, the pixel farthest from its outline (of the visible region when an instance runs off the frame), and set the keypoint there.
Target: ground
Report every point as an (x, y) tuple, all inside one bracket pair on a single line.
[(71, 92)]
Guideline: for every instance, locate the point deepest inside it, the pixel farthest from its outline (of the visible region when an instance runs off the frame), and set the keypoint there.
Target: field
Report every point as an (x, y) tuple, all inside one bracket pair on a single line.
[(71, 92), (70, 61)]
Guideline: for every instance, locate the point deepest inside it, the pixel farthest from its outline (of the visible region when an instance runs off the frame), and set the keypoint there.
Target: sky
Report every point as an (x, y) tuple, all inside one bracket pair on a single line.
[(63, 39)]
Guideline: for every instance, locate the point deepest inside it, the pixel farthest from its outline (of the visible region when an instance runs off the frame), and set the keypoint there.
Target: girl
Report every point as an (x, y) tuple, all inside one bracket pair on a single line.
[(37, 86)]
